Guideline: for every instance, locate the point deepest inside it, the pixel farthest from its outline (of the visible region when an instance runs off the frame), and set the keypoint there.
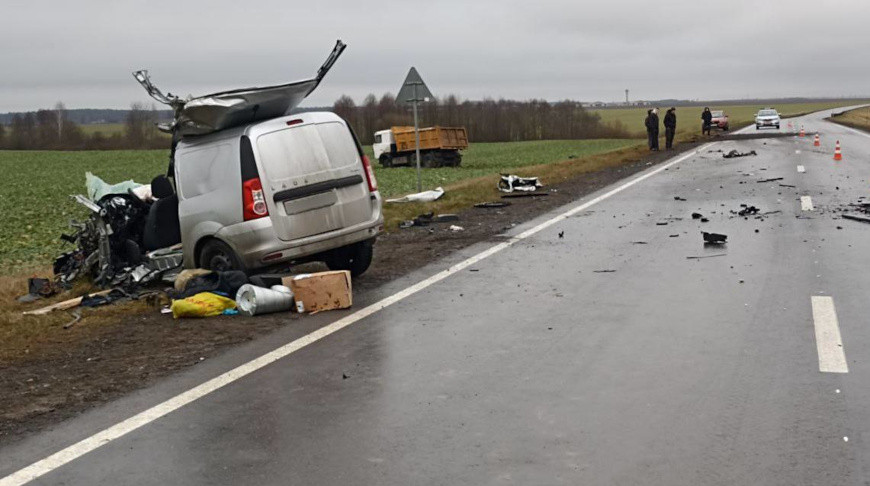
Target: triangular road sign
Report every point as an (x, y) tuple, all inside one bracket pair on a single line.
[(407, 92)]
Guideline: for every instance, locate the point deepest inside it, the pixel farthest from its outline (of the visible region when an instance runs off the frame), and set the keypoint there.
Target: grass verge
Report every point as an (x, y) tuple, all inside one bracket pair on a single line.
[(858, 118)]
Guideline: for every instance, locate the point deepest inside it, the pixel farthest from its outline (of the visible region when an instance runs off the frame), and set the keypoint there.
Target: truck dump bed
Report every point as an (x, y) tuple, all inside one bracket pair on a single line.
[(444, 138)]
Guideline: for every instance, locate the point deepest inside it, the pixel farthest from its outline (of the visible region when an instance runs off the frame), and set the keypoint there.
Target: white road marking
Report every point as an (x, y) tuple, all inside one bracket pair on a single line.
[(73, 452), (832, 357), (801, 169), (859, 132), (806, 203)]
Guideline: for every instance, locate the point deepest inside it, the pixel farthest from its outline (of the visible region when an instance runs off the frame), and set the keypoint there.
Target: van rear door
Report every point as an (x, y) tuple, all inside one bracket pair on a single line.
[(313, 178)]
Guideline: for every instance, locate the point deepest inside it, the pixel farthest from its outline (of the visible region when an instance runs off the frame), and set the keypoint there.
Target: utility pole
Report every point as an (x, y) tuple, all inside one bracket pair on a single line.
[(414, 91)]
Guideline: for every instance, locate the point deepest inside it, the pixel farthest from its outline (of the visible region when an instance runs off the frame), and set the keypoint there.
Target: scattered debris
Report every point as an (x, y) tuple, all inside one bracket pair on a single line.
[(697, 215), (316, 292), (772, 179), (856, 217), (494, 204), (454, 227), (673, 236), (524, 194), (733, 153), (427, 219), (747, 210), (661, 223), (603, 271), (252, 300), (678, 198), (786, 185), (425, 196), (203, 304), (77, 316), (38, 288), (64, 305), (511, 183), (639, 243), (714, 238), (705, 256), (562, 234), (705, 220)]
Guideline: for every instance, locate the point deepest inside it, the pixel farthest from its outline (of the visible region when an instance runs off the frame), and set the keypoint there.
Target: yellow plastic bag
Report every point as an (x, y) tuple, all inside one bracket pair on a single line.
[(203, 304)]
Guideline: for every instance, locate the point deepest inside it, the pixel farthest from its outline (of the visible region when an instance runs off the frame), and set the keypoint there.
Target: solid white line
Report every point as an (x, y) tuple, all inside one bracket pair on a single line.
[(859, 132), (801, 169), (806, 203), (832, 357), (58, 459)]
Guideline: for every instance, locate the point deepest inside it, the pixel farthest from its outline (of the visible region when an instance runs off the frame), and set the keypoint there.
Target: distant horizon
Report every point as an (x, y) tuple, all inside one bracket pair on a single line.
[(610, 104)]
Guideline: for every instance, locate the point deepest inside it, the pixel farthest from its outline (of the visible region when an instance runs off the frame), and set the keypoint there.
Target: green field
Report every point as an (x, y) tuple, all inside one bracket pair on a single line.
[(689, 117), (36, 207), (107, 129)]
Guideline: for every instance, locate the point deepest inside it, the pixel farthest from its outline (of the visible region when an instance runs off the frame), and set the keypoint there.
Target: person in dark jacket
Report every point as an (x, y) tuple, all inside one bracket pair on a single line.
[(652, 128), (670, 123), (707, 120)]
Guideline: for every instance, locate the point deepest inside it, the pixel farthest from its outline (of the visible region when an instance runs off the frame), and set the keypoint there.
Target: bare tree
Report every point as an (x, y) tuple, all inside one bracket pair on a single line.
[(60, 114)]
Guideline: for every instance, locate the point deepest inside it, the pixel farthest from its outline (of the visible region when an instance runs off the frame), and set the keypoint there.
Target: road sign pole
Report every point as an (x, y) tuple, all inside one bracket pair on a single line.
[(417, 143)]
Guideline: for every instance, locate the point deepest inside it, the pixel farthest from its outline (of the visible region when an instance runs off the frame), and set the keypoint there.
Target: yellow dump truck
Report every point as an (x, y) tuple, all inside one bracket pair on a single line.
[(439, 146)]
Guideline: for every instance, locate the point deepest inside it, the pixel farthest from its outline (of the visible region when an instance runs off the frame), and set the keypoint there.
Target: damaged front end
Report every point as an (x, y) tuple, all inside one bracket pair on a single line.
[(109, 245)]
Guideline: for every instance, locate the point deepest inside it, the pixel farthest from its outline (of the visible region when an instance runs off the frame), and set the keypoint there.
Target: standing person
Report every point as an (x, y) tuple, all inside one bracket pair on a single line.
[(647, 122), (707, 118), (670, 128), (652, 128)]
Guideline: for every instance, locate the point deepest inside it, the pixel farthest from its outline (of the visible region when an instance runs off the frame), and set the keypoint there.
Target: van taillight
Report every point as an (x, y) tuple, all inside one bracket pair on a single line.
[(253, 199), (370, 174)]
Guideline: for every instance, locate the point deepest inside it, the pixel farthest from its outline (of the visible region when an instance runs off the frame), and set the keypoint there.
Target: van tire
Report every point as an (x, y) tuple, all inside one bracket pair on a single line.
[(219, 257), (356, 257)]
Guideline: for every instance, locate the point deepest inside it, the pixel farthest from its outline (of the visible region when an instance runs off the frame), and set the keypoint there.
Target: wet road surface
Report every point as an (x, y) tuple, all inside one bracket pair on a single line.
[(602, 356)]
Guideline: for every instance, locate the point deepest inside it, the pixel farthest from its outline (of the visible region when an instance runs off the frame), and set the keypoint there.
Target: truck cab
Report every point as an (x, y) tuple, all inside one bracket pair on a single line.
[(384, 145)]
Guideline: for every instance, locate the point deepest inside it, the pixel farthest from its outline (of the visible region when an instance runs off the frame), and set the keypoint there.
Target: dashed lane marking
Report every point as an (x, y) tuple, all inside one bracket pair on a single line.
[(829, 343), (806, 203)]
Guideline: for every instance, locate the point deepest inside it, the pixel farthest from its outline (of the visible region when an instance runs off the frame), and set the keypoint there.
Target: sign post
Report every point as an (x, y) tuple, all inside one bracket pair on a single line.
[(415, 91)]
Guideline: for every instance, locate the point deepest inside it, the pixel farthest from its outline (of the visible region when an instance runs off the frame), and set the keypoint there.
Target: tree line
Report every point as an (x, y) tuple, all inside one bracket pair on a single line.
[(53, 130), (486, 121)]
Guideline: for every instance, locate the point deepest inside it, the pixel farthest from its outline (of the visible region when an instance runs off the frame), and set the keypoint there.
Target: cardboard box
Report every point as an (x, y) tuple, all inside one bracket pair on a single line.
[(316, 292)]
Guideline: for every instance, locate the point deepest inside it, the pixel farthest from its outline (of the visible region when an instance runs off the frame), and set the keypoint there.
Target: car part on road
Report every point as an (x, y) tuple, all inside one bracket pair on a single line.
[(856, 217), (705, 256), (252, 300), (772, 179), (511, 183), (425, 196), (697, 215), (714, 238), (734, 153), (493, 204)]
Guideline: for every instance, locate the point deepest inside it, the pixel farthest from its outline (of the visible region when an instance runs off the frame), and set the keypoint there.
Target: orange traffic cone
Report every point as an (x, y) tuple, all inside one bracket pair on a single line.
[(802, 131), (837, 154), (790, 126), (817, 142)]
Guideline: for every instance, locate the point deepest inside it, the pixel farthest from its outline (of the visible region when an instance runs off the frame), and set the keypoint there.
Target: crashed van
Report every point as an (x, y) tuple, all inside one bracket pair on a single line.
[(250, 186), (253, 187)]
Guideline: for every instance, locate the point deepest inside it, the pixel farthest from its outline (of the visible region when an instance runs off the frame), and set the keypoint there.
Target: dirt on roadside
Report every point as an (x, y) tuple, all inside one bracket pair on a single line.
[(84, 367)]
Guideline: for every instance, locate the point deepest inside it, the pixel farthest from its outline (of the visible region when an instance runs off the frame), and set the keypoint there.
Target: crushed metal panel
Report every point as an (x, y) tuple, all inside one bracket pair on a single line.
[(218, 111)]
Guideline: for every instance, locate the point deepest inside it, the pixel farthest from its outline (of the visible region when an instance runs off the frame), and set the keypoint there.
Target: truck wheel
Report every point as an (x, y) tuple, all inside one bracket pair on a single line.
[(385, 160), (218, 256), (427, 160), (356, 257)]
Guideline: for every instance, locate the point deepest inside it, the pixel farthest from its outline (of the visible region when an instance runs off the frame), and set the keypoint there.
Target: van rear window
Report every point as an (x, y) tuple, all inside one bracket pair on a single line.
[(306, 149)]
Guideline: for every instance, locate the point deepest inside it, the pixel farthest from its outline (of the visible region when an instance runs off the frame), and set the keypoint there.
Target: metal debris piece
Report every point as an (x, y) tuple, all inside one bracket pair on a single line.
[(714, 238), (733, 153), (705, 256), (856, 217), (678, 198), (603, 271), (493, 204), (697, 215), (772, 179), (511, 183)]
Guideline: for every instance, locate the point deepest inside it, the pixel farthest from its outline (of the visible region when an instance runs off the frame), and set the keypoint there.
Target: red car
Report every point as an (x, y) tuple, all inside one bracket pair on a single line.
[(720, 120)]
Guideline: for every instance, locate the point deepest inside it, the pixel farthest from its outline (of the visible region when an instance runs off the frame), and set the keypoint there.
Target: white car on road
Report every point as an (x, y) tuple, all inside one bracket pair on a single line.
[(767, 118)]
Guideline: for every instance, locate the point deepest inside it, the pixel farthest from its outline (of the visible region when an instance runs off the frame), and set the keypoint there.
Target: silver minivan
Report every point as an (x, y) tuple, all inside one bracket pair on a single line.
[(293, 188)]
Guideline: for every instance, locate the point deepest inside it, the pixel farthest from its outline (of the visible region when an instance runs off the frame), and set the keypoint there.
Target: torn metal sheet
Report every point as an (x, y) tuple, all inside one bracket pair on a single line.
[(218, 111)]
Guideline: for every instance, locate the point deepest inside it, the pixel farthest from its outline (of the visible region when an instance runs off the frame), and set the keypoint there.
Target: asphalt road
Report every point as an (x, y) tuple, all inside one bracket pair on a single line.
[(604, 356)]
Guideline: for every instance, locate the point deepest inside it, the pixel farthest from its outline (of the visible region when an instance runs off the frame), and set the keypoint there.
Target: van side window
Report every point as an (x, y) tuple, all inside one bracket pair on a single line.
[(200, 171), (378, 138)]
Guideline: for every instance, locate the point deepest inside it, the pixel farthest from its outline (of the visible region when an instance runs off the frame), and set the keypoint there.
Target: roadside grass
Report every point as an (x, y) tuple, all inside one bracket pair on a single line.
[(859, 118), (689, 117), (36, 208)]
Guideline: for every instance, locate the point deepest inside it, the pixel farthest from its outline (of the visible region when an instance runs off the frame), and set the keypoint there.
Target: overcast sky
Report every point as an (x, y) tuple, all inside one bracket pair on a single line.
[(82, 53)]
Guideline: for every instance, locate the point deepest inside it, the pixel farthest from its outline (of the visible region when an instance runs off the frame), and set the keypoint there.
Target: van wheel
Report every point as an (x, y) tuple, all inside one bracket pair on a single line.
[(219, 257), (356, 257), (385, 160)]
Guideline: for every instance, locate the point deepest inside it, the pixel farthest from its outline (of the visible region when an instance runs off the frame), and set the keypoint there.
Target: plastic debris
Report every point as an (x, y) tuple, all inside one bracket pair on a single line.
[(511, 183), (714, 238), (425, 196)]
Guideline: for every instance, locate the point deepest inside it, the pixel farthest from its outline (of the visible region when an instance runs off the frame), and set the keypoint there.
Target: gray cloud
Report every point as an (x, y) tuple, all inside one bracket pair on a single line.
[(83, 53)]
